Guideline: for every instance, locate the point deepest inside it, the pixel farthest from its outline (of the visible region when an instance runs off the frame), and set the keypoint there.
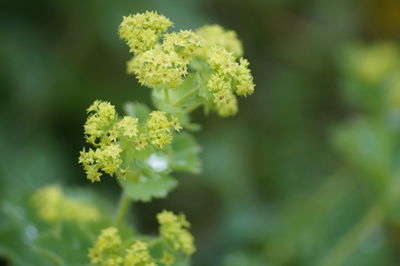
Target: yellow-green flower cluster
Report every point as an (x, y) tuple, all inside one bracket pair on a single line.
[(159, 128), (106, 132), (229, 77), (138, 255), (156, 68), (110, 250), (101, 131), (184, 43), (142, 31), (165, 65), (215, 35), (53, 206), (128, 126), (107, 249), (101, 119), (173, 228)]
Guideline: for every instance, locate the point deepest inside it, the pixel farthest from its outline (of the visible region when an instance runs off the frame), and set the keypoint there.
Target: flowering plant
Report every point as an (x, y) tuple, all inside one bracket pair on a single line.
[(185, 70)]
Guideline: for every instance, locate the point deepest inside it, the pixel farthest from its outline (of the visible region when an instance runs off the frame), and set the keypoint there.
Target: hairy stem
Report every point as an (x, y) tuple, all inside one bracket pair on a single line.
[(122, 209)]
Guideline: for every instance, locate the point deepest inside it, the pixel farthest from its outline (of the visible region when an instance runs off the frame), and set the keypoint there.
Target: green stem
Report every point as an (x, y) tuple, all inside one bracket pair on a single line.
[(349, 242), (193, 107), (155, 241), (55, 259), (186, 96), (360, 231), (122, 209), (166, 93)]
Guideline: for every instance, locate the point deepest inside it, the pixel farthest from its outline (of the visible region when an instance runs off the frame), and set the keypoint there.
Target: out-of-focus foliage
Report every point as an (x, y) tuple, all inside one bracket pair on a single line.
[(305, 174)]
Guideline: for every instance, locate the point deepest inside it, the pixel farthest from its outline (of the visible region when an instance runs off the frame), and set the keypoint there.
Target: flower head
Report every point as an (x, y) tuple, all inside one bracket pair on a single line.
[(101, 118), (157, 67), (184, 43), (128, 126), (142, 31), (112, 136), (159, 128), (138, 255), (107, 249), (215, 35), (173, 228), (229, 77)]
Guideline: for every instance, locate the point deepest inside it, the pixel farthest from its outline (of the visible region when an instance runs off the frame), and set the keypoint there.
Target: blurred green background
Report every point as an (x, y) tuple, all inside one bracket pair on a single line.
[(282, 182)]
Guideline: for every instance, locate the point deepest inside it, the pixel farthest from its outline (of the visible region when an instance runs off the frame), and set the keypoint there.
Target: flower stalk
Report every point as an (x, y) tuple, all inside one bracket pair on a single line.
[(122, 209)]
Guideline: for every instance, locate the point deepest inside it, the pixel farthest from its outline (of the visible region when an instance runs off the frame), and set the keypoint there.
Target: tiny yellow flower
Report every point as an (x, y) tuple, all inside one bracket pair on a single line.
[(141, 142), (128, 126), (175, 124)]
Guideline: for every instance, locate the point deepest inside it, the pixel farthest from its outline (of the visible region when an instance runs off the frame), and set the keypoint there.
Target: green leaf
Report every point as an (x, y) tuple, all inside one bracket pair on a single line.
[(70, 241), (148, 186), (183, 154), (151, 179), (186, 123), (159, 99), (17, 232), (136, 109), (25, 239)]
